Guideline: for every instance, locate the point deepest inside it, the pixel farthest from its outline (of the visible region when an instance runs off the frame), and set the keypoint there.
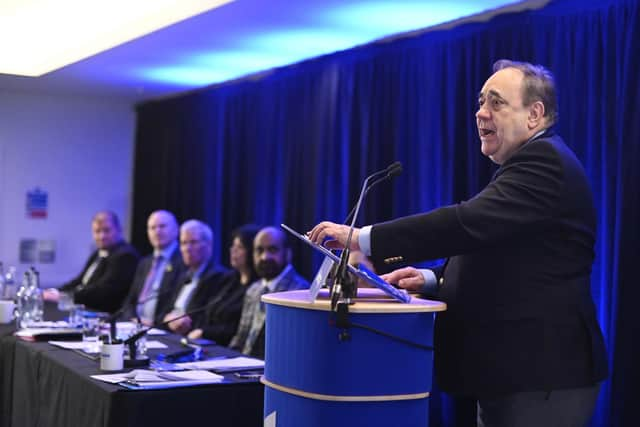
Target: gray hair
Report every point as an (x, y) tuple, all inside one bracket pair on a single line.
[(203, 229), (538, 85)]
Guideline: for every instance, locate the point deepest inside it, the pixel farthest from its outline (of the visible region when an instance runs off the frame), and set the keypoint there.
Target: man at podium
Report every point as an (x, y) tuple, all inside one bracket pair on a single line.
[(520, 334)]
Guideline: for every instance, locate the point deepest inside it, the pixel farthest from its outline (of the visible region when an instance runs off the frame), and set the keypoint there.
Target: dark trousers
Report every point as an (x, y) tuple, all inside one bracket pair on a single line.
[(557, 408)]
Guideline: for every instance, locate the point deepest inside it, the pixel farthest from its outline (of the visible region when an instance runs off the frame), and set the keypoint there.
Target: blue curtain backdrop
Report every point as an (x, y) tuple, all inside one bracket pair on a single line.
[(293, 146)]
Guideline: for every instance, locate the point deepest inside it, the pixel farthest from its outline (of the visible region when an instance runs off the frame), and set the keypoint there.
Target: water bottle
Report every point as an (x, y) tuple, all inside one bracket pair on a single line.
[(9, 283), (23, 311), (37, 302), (1, 281)]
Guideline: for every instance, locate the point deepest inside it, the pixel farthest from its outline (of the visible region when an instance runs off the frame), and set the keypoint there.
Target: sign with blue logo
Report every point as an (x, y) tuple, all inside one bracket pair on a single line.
[(37, 203)]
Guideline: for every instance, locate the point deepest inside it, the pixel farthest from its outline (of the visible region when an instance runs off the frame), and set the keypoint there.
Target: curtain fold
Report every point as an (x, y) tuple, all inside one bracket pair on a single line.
[(294, 145)]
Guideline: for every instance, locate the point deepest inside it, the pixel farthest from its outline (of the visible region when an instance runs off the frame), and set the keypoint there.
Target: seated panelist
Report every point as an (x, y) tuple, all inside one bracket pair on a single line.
[(200, 283), (157, 274), (272, 259), (220, 321), (104, 281)]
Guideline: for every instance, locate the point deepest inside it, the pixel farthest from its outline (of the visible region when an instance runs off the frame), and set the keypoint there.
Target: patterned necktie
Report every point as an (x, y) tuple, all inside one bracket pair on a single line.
[(92, 269), (257, 320), (147, 289)]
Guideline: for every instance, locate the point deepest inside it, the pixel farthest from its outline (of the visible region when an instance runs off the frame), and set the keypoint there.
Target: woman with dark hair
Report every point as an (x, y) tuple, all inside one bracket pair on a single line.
[(221, 318), (240, 253)]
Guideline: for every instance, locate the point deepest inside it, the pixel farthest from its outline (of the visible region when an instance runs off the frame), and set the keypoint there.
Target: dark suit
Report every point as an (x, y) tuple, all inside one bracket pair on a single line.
[(220, 321), (520, 315), (170, 279), (109, 284), (253, 313), (209, 284)]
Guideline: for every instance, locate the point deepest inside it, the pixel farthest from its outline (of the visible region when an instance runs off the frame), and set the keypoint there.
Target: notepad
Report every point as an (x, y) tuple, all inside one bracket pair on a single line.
[(144, 379)]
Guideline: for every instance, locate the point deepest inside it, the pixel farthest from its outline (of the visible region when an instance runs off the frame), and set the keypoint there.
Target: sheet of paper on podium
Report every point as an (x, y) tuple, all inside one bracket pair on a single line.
[(361, 272), (320, 278)]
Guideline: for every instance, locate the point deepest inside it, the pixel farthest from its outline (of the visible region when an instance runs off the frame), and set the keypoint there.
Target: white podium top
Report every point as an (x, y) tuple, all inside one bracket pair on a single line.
[(369, 300)]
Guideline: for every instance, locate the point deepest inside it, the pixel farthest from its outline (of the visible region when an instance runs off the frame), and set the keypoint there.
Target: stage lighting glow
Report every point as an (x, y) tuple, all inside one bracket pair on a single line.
[(186, 76), (322, 30), (377, 19)]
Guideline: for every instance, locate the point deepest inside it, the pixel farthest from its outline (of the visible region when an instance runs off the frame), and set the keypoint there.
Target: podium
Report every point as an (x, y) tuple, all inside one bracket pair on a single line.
[(314, 379)]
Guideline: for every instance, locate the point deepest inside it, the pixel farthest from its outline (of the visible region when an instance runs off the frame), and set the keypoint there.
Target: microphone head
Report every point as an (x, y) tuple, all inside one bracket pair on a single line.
[(397, 170), (393, 166)]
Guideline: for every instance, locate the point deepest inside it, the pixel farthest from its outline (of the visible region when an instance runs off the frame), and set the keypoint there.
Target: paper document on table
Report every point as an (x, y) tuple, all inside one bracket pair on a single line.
[(225, 365), (147, 379), (131, 326), (46, 334), (154, 345), (49, 324), (87, 346), (72, 345)]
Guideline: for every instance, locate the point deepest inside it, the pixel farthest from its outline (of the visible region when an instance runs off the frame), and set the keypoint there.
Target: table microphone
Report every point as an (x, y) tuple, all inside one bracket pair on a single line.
[(131, 341), (112, 319)]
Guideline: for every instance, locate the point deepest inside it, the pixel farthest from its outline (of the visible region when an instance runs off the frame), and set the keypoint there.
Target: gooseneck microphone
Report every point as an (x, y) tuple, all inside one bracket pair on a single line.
[(344, 289), (392, 171)]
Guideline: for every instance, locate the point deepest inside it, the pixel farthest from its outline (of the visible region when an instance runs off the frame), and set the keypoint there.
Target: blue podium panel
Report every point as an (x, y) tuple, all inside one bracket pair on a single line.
[(295, 411), (303, 352), (314, 378)]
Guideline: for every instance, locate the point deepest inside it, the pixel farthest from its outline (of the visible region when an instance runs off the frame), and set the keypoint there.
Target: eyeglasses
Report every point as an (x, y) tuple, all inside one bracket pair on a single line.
[(192, 242)]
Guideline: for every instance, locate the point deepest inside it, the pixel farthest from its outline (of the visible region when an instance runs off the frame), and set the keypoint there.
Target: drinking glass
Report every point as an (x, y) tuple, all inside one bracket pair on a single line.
[(91, 331)]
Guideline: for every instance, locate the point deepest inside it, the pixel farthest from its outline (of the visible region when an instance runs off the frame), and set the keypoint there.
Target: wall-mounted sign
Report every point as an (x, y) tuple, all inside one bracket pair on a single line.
[(37, 203), (28, 251), (34, 251), (46, 251)]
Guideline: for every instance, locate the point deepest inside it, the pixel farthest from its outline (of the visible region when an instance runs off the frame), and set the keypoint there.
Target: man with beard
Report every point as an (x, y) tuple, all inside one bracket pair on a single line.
[(272, 257)]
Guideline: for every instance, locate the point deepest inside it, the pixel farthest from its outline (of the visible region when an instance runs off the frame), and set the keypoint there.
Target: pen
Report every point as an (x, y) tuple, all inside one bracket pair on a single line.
[(248, 375)]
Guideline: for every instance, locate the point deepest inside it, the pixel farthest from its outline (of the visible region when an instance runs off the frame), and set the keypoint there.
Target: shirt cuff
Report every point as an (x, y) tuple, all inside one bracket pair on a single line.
[(364, 240), (430, 287)]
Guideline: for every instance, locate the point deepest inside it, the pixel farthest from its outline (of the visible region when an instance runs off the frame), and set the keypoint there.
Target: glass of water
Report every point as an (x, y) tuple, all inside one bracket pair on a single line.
[(75, 315), (65, 301), (91, 331)]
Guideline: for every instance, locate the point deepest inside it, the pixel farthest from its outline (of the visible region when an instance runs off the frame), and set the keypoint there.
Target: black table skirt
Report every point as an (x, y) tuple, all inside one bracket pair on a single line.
[(43, 385)]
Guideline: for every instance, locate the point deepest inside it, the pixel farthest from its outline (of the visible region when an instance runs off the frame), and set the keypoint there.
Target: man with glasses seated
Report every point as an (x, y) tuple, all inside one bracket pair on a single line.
[(201, 281)]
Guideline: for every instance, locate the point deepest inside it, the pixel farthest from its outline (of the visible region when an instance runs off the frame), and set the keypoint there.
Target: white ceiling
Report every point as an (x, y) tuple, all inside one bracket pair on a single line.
[(244, 37)]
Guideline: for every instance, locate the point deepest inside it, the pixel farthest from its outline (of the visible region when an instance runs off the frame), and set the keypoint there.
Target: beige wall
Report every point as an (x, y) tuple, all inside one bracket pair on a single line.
[(78, 150)]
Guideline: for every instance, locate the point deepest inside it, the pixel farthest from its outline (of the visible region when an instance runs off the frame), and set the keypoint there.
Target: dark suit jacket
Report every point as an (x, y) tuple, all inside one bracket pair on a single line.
[(209, 284), (220, 321), (170, 279), (520, 315), (109, 283), (289, 282)]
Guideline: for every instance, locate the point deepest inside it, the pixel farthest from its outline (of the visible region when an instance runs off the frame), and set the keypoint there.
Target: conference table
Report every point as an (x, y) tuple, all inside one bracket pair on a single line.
[(44, 385)]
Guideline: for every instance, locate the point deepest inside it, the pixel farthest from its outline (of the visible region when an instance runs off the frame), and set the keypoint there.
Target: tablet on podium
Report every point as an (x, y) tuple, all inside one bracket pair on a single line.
[(361, 271)]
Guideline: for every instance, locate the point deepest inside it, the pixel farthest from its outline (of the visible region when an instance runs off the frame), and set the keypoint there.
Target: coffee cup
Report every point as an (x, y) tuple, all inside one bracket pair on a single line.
[(112, 356), (7, 308)]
